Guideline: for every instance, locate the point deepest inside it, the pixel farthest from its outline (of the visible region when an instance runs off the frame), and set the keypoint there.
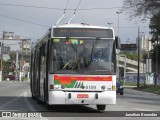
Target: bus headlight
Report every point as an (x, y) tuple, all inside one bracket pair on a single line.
[(103, 87), (57, 86), (63, 86), (109, 87)]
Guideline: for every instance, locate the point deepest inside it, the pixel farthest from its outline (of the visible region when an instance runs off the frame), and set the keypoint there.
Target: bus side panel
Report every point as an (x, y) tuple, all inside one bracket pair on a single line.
[(46, 74), (37, 75), (34, 83), (42, 73), (31, 74)]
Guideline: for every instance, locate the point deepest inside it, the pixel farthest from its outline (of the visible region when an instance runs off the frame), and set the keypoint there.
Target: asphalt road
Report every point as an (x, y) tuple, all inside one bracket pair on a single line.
[(16, 97)]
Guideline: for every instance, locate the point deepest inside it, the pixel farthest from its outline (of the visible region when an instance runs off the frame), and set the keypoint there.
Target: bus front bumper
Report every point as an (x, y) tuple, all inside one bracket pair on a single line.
[(92, 98)]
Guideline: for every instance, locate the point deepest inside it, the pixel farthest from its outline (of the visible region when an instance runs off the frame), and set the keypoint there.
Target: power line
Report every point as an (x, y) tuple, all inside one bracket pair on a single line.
[(78, 5), (66, 4), (61, 9), (24, 21), (30, 6), (87, 9), (74, 12), (130, 27)]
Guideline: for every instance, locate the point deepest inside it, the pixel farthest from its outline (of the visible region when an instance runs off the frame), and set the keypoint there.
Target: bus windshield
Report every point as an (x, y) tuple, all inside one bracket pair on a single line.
[(83, 56)]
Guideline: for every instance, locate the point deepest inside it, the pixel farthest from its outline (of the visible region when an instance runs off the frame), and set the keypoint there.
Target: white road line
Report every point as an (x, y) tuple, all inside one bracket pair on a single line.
[(30, 106), (2, 106), (142, 109)]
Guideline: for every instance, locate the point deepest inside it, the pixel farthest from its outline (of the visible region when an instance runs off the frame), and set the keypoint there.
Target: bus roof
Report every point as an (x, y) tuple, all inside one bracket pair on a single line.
[(81, 25)]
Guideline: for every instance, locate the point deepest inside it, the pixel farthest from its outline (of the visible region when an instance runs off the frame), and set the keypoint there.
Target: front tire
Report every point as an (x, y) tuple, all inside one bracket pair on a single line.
[(101, 107), (33, 97), (121, 93)]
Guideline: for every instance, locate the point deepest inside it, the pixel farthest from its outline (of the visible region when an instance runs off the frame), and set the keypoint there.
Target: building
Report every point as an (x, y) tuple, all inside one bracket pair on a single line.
[(129, 48)]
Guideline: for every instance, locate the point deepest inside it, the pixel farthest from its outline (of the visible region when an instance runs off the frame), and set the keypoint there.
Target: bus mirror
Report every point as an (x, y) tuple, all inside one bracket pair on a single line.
[(118, 42)]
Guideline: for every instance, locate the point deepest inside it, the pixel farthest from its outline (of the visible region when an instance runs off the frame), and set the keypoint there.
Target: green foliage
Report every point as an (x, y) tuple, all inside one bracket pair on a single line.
[(141, 8), (150, 88), (25, 79), (7, 67), (144, 8), (153, 55), (155, 26), (132, 56)]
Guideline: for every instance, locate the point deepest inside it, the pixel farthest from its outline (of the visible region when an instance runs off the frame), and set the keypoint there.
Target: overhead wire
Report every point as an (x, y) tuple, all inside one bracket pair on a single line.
[(78, 5), (63, 13), (30, 6), (66, 4), (74, 12), (24, 21), (61, 9)]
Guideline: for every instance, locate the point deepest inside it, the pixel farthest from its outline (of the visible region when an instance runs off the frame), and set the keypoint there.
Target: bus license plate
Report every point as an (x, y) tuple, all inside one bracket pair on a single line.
[(82, 96)]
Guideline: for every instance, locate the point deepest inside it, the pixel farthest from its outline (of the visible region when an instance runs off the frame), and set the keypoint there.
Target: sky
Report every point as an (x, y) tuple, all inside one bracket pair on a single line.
[(20, 19)]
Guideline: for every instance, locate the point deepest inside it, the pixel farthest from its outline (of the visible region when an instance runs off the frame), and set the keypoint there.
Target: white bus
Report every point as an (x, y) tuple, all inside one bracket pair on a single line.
[(75, 64)]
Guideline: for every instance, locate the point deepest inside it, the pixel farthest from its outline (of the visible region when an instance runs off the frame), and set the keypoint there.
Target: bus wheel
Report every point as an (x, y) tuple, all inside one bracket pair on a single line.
[(33, 97), (39, 101), (49, 107), (101, 107)]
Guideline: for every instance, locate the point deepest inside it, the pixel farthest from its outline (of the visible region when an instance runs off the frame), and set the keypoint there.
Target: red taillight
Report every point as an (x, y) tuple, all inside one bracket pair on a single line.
[(51, 86)]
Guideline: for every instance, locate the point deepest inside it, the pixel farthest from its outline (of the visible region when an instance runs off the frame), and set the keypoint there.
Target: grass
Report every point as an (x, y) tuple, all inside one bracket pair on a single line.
[(25, 79), (129, 84), (150, 88), (146, 88), (132, 84)]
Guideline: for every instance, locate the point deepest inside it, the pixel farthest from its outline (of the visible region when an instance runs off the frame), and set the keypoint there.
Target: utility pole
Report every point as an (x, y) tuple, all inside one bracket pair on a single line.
[(125, 68), (118, 39), (156, 71), (138, 56), (1, 64)]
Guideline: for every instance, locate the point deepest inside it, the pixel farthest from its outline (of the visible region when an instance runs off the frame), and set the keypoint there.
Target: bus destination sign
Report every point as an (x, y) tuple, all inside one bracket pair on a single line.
[(83, 32)]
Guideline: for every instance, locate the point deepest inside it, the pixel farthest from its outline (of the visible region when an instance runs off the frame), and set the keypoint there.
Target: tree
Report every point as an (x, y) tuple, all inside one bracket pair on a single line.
[(144, 9), (155, 26), (141, 8)]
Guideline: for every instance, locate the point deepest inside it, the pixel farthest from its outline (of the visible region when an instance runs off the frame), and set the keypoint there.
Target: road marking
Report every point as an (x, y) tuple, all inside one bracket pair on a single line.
[(31, 107), (28, 103), (143, 109), (2, 106)]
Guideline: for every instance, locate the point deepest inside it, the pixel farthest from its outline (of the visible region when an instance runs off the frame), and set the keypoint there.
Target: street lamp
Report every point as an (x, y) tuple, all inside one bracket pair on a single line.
[(118, 39), (138, 44), (156, 67), (118, 23)]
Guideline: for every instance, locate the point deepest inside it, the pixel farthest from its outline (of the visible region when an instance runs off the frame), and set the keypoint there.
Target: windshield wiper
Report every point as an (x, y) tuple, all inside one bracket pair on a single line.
[(73, 47), (93, 49)]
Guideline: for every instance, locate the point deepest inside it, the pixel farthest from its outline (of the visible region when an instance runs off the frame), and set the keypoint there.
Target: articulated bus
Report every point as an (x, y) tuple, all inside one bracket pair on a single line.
[(75, 64)]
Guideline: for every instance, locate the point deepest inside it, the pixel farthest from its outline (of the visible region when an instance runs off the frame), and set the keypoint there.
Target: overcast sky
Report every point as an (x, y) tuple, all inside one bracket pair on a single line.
[(128, 29)]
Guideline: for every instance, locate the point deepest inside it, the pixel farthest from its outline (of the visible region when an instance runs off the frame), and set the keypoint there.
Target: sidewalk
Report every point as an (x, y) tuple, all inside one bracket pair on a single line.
[(11, 81)]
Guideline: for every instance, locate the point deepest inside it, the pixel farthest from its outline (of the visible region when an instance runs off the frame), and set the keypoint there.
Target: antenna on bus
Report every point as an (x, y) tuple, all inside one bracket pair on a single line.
[(74, 12), (61, 17), (72, 17)]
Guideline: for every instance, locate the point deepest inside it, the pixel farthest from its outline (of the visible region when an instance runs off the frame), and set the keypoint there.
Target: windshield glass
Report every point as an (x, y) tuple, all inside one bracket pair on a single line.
[(83, 56)]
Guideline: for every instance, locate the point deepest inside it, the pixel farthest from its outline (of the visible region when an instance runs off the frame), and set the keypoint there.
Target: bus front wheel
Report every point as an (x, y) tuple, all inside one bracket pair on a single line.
[(101, 107)]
